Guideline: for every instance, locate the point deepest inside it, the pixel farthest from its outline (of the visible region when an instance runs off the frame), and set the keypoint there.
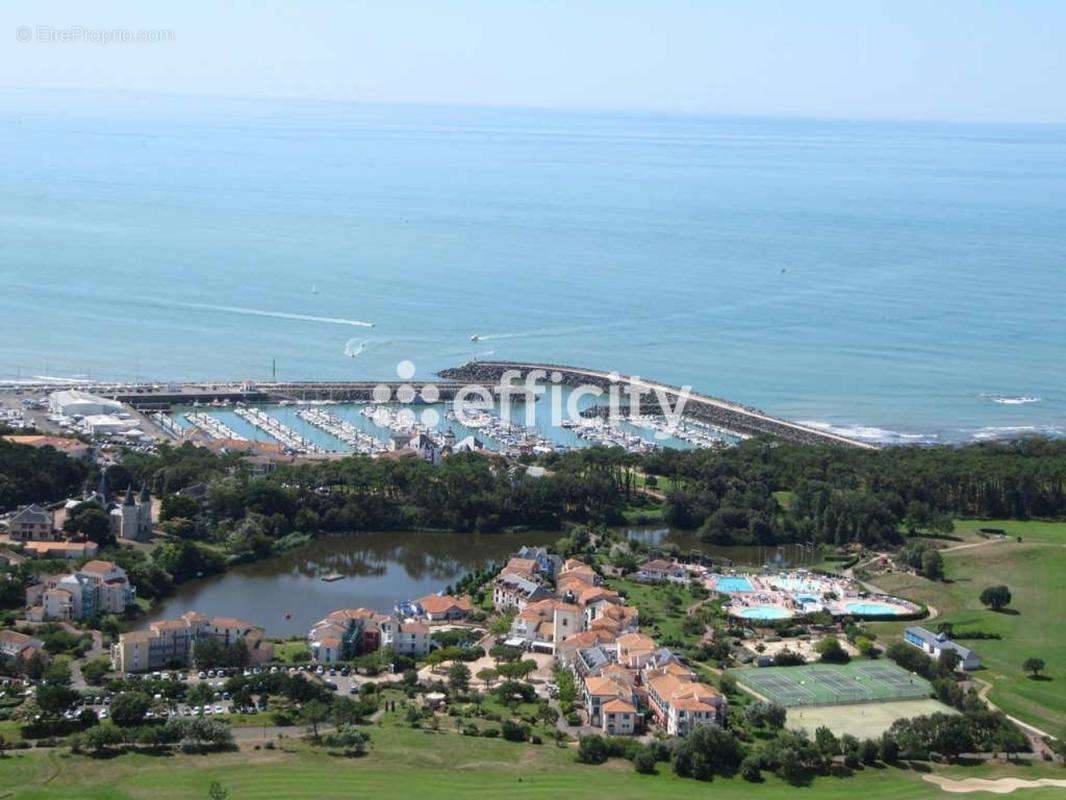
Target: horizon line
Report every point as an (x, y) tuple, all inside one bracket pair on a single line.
[(550, 109)]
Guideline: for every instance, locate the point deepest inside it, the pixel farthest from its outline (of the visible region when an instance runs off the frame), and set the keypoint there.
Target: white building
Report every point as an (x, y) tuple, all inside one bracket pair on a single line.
[(74, 402), (936, 643), (105, 425)]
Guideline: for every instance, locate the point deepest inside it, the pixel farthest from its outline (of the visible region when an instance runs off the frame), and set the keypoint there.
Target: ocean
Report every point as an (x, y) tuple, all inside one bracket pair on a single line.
[(899, 281)]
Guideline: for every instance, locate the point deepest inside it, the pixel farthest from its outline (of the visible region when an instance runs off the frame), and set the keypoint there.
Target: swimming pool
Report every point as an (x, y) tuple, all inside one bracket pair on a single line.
[(872, 609), (731, 584), (764, 612), (807, 598)]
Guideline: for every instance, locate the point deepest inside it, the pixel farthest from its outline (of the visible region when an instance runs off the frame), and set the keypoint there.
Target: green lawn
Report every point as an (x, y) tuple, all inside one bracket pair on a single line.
[(423, 765), (1035, 572), (284, 651), (665, 605)]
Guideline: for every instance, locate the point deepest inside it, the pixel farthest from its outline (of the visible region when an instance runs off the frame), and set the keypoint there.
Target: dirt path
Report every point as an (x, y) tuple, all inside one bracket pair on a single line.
[(969, 545), (998, 786), (1034, 734)]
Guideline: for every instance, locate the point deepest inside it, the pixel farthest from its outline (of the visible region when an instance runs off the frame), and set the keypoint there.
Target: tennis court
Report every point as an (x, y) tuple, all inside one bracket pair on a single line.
[(833, 684)]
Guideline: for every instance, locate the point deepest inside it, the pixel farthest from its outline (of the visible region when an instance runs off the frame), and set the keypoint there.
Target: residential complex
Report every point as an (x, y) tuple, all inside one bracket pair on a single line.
[(593, 633), (99, 587), (351, 632), (170, 642)]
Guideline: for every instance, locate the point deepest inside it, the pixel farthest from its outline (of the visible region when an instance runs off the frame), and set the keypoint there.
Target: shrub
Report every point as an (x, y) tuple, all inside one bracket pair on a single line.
[(592, 750), (644, 761), (513, 731)]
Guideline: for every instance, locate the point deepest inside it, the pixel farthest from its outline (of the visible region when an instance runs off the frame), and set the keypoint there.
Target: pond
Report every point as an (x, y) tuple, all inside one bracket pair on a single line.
[(286, 594)]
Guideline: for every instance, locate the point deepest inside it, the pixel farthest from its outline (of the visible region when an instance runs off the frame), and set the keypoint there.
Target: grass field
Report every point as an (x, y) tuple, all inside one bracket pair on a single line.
[(825, 684), (664, 606), (406, 763), (864, 720), (1034, 570), (284, 651)]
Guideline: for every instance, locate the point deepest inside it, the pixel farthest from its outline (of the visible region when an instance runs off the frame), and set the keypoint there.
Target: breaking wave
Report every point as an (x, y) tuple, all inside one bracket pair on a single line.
[(870, 433), (1007, 400), (991, 432)]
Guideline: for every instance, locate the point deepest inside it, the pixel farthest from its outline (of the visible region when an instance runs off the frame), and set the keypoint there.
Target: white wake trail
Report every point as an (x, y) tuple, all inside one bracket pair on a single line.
[(256, 312)]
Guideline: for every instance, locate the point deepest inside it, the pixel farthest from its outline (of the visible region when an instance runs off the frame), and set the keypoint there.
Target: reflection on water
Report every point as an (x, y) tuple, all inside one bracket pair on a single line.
[(787, 555), (286, 594)]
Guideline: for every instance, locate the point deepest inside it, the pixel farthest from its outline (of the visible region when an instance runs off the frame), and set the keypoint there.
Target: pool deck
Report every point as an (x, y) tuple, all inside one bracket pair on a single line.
[(788, 594)]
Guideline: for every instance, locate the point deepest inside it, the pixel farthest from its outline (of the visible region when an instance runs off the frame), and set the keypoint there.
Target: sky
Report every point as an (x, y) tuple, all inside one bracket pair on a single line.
[(966, 60)]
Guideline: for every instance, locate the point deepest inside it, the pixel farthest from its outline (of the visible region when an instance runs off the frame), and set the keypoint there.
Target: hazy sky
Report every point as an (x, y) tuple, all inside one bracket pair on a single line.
[(922, 59)]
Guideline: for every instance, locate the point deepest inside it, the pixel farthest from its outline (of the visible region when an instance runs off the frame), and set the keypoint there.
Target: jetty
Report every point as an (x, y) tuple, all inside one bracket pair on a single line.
[(724, 415)]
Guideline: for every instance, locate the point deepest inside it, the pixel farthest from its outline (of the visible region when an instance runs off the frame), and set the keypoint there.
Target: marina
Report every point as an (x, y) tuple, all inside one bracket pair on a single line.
[(401, 422), (604, 433), (358, 440), (514, 439), (277, 430), (212, 426)]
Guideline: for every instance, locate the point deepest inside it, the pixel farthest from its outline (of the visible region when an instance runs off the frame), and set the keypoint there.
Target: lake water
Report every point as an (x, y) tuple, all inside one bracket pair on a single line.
[(787, 555), (286, 595), (899, 281)]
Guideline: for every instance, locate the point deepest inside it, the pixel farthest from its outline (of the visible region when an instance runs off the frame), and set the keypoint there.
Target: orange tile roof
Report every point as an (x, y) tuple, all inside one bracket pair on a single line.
[(683, 694), (635, 641), (619, 706), (585, 639), (230, 622), (600, 686), (98, 566), (440, 604), (523, 566)]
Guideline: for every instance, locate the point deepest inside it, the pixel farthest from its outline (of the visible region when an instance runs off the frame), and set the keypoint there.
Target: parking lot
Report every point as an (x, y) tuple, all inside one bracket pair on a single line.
[(98, 701)]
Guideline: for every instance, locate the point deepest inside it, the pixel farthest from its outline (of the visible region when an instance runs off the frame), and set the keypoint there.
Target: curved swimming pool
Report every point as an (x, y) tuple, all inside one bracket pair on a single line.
[(872, 609), (764, 612)]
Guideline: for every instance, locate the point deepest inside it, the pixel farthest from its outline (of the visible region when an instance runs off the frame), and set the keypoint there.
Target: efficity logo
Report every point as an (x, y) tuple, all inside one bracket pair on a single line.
[(475, 404)]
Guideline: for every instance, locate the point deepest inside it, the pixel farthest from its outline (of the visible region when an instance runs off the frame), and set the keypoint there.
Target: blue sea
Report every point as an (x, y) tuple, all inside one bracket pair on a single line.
[(900, 281)]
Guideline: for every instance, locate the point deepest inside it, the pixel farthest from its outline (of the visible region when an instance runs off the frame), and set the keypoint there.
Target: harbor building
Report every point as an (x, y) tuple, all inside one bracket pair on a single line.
[(76, 403)]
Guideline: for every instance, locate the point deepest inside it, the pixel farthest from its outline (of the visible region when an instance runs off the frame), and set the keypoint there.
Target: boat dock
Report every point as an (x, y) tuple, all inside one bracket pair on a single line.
[(359, 440), (212, 426), (513, 438), (277, 430)]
